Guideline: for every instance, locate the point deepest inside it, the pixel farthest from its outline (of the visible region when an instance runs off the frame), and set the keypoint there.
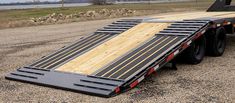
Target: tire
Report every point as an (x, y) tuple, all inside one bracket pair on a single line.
[(195, 53), (216, 43)]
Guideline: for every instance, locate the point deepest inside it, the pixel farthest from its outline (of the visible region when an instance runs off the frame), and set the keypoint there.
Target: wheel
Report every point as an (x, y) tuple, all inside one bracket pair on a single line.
[(216, 43), (195, 53)]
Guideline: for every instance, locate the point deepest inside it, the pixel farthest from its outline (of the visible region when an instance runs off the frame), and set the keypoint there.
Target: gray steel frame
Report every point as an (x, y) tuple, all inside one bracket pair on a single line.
[(100, 86)]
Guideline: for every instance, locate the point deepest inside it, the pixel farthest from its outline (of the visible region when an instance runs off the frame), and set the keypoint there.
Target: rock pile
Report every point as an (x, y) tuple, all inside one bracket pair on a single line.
[(52, 18), (108, 13), (104, 13)]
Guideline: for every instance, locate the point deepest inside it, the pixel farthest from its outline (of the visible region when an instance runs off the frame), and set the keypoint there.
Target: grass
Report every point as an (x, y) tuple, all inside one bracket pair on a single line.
[(7, 16)]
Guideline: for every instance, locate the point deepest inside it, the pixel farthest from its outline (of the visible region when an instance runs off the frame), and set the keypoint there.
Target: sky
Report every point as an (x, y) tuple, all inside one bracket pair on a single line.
[(13, 1)]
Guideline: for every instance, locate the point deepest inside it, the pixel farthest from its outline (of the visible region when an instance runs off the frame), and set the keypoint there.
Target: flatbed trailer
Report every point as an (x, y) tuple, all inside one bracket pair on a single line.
[(119, 56)]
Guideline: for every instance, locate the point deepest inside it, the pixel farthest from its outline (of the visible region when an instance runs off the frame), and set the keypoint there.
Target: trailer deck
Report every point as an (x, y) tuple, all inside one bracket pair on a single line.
[(119, 56), (105, 53)]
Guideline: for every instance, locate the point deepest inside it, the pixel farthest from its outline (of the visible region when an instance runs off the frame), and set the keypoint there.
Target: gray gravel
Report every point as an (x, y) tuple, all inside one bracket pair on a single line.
[(211, 81)]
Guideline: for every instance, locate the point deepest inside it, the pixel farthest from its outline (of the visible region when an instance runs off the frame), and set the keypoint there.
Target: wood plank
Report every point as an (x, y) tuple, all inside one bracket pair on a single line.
[(227, 16), (192, 15), (107, 52)]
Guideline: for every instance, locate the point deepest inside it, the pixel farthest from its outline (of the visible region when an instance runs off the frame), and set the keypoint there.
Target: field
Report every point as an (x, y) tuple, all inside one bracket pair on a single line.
[(19, 18)]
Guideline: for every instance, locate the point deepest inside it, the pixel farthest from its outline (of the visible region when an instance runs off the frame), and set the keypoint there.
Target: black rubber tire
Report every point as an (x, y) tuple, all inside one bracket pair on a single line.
[(195, 53), (216, 43)]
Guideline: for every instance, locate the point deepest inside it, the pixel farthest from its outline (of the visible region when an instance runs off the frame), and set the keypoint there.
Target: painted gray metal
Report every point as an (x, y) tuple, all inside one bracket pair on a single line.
[(117, 27), (74, 82), (120, 25), (177, 31), (110, 32), (183, 26), (221, 5), (173, 34), (181, 29)]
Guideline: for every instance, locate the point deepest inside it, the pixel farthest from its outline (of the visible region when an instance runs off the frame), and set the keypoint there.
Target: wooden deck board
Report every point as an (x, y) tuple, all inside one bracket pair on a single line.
[(105, 53), (227, 16), (193, 15)]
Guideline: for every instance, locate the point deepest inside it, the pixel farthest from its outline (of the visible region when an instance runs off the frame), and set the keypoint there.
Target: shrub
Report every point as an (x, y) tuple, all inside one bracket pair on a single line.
[(99, 2)]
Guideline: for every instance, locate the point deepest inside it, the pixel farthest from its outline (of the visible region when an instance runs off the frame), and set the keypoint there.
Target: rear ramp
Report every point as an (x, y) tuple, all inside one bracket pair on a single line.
[(117, 59), (119, 56)]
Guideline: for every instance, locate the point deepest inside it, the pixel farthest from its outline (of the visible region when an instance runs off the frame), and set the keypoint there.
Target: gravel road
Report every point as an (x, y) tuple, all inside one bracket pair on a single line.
[(211, 81)]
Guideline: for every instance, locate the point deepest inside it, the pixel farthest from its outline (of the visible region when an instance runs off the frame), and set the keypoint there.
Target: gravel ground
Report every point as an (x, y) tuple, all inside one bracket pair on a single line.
[(211, 81)]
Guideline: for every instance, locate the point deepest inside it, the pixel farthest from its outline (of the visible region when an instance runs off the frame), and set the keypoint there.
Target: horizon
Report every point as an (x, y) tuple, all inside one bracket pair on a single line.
[(23, 1)]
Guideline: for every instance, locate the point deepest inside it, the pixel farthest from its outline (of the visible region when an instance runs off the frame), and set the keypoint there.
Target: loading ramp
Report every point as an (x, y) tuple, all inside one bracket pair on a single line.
[(119, 56)]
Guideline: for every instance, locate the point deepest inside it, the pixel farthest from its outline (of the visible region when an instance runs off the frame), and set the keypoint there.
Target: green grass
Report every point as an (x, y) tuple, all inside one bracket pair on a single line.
[(15, 15)]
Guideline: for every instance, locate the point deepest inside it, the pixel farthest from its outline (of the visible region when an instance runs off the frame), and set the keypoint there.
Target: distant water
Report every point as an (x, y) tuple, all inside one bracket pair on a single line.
[(41, 6), (147, 1), (78, 4)]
